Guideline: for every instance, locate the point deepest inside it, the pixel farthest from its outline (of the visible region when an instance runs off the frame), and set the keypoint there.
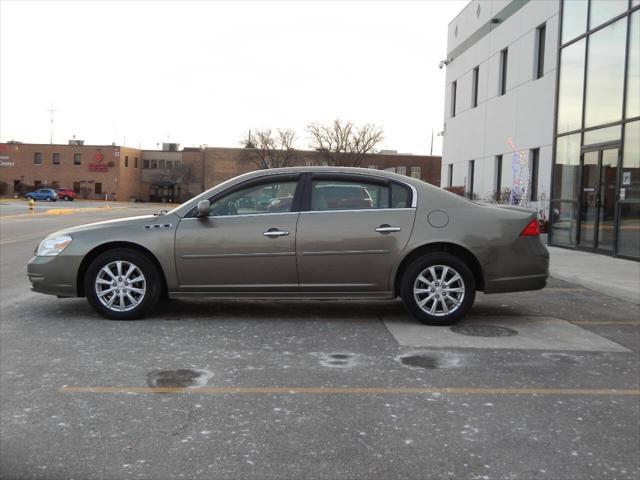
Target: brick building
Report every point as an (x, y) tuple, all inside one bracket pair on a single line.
[(170, 174), (92, 171)]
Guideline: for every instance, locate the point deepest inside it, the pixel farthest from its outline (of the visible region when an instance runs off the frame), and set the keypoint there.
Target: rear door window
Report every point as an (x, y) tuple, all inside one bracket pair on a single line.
[(348, 195)]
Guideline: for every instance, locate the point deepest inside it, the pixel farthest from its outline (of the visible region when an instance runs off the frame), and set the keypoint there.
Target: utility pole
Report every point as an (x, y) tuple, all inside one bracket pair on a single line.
[(431, 151), (51, 111)]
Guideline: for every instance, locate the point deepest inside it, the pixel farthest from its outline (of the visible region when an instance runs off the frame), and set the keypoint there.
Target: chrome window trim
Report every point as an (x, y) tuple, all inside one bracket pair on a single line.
[(414, 191), (245, 215), (362, 210)]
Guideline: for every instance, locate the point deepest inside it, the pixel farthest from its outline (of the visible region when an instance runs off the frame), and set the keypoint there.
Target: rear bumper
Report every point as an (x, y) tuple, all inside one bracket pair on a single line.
[(521, 266), (517, 284), (54, 275)]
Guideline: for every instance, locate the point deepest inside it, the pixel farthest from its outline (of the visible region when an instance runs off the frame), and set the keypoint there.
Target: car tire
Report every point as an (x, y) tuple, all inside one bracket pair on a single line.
[(431, 301), (27, 198), (65, 198), (48, 199), (123, 301)]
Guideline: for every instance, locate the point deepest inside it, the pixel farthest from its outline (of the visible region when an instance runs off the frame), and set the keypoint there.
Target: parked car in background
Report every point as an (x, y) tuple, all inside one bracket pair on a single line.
[(331, 233), (46, 194), (66, 194)]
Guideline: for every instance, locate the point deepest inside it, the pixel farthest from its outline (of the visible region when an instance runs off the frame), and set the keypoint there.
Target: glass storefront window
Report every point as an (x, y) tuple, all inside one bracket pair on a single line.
[(602, 135), (605, 74), (603, 10), (571, 87), (566, 184), (629, 205), (574, 19), (633, 70)]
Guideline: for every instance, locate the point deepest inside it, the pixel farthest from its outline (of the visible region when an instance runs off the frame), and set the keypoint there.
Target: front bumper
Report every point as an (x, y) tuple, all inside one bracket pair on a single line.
[(54, 275)]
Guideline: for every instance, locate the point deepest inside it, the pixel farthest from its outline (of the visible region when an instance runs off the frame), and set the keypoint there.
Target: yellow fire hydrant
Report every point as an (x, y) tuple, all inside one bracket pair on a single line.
[(32, 204)]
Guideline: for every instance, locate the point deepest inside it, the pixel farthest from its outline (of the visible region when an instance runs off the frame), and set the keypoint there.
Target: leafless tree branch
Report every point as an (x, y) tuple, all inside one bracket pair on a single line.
[(268, 149), (342, 143)]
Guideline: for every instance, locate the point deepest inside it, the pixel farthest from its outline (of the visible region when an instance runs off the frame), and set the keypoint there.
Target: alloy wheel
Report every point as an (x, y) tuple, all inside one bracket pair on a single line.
[(439, 290), (120, 286)]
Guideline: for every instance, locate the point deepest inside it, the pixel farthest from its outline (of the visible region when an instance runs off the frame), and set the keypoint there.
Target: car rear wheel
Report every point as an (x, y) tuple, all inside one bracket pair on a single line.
[(123, 284), (28, 197), (438, 289)]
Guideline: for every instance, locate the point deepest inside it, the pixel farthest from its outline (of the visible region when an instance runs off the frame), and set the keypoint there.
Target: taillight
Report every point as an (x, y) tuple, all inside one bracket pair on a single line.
[(532, 229)]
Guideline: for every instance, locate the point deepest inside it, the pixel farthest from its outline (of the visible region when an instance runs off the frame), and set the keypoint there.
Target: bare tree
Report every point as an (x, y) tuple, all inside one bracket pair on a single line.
[(344, 144), (269, 149)]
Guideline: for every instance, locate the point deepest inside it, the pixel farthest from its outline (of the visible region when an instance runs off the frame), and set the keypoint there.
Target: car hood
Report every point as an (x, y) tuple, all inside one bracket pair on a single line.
[(142, 219)]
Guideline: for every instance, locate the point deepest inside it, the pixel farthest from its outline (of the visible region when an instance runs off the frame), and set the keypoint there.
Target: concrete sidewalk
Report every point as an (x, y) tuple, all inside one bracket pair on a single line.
[(611, 276)]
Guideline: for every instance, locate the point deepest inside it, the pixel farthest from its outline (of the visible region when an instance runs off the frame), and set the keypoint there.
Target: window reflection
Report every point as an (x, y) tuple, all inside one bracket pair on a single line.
[(566, 179), (605, 74), (602, 135), (629, 210), (633, 71), (603, 10), (574, 19), (571, 87)]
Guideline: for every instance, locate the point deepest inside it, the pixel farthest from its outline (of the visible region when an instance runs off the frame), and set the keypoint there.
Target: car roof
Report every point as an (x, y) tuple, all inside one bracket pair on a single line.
[(415, 183)]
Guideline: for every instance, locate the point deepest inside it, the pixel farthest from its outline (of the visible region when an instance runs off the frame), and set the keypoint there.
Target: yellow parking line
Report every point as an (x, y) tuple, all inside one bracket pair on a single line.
[(565, 290), (604, 322), (358, 390)]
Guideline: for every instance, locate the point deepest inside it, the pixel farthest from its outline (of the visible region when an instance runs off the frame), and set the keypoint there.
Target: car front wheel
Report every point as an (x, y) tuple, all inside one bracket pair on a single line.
[(438, 289), (123, 284), (65, 198)]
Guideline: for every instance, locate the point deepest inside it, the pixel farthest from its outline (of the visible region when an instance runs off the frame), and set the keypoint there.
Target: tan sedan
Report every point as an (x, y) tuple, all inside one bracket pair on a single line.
[(313, 233)]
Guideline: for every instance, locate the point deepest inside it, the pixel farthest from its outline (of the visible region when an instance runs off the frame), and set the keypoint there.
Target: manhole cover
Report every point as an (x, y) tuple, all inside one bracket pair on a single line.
[(483, 331), (182, 378)]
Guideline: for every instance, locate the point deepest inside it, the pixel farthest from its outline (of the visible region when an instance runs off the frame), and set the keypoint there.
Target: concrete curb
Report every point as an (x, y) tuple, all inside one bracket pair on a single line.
[(621, 292), (610, 276)]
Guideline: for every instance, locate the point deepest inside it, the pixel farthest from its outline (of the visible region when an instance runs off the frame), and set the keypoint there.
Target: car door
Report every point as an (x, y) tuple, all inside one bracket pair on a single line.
[(351, 232), (247, 244)]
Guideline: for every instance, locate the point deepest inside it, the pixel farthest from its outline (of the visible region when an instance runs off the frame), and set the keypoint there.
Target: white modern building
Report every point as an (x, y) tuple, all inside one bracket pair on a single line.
[(500, 91), (542, 109)]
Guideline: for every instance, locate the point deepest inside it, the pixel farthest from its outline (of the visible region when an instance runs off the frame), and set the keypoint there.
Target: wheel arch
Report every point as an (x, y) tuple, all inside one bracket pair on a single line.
[(459, 251), (105, 247)]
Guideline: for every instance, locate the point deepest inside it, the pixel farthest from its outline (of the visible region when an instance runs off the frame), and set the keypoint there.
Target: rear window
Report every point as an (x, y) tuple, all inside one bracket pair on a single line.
[(400, 196), (346, 195)]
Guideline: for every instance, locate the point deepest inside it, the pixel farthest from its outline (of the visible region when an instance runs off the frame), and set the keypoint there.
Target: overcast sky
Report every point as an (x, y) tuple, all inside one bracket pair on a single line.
[(142, 73)]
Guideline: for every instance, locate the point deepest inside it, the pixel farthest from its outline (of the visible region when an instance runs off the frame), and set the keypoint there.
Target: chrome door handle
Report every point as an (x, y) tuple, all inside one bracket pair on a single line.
[(387, 229), (272, 232)]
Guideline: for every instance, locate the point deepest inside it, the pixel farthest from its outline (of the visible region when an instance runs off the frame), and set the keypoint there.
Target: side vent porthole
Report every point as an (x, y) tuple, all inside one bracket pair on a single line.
[(157, 226)]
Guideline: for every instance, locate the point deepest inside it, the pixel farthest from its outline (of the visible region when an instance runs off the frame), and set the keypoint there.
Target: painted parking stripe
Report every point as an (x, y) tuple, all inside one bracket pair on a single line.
[(357, 390), (605, 322), (559, 289)]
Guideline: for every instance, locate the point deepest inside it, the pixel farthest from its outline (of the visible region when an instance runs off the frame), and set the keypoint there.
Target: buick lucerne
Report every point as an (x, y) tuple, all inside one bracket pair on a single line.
[(303, 232)]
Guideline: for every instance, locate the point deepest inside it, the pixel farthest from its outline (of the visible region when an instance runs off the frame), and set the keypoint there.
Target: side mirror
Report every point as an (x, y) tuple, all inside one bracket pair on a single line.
[(202, 210)]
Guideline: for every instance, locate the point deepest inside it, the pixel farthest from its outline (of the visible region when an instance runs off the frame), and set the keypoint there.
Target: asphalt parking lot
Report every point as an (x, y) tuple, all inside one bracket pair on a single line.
[(535, 385)]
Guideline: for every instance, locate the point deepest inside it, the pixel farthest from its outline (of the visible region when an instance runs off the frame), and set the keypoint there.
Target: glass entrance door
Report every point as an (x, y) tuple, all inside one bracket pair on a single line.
[(598, 199)]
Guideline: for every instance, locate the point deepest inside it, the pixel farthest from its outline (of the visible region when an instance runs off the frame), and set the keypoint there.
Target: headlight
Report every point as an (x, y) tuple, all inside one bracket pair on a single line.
[(52, 246)]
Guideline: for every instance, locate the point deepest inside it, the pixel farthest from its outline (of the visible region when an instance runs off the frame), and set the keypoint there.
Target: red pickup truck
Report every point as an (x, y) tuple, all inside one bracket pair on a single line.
[(66, 194)]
